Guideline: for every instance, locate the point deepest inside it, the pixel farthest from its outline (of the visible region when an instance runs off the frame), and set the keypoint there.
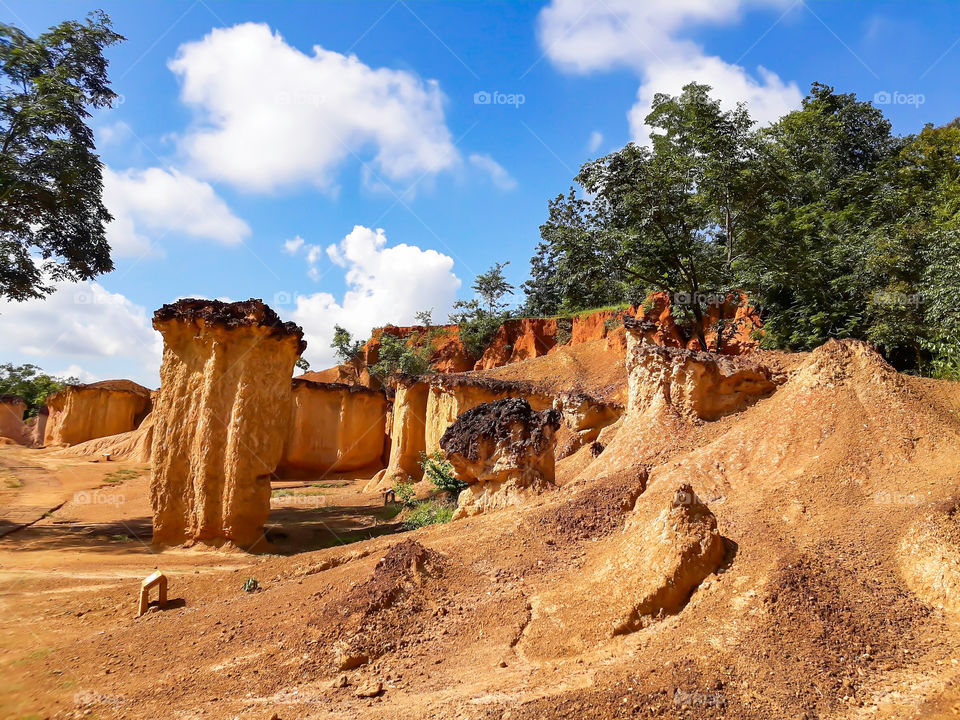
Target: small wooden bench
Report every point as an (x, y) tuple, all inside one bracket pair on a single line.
[(157, 579)]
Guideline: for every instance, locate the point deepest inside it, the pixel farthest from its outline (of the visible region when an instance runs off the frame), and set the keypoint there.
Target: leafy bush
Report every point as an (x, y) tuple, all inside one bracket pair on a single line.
[(439, 471), (409, 354), (611, 324), (405, 493), (426, 513), (480, 318), (564, 331)]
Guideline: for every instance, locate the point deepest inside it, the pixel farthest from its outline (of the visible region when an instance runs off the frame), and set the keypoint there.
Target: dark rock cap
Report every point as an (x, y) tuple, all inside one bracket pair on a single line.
[(315, 385), (11, 398), (248, 313), (495, 421)]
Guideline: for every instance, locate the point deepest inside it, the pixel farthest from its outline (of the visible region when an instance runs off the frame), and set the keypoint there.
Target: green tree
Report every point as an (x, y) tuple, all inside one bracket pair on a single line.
[(480, 317), (31, 383), (678, 214), (345, 348), (807, 268), (52, 217)]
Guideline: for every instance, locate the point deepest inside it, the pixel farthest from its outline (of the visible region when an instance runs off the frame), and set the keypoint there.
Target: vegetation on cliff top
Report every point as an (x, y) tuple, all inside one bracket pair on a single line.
[(833, 225)]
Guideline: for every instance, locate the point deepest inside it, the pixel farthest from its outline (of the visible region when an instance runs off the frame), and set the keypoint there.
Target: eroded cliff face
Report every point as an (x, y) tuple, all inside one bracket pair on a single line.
[(452, 395), (333, 428), (668, 389), (503, 450), (519, 340), (221, 419), (84, 412), (407, 435), (693, 385), (12, 408)]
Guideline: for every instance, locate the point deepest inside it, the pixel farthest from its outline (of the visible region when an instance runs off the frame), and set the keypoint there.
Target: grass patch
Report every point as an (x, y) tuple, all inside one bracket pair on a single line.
[(118, 476), (331, 484), (12, 482), (429, 512), (120, 538)]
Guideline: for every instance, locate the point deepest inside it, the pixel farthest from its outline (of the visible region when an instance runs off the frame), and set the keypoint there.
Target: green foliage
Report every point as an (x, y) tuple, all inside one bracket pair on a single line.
[(345, 347), (480, 318), (31, 383), (405, 493), (302, 364), (430, 512), (409, 354), (564, 331), (438, 470), (832, 225), (52, 217)]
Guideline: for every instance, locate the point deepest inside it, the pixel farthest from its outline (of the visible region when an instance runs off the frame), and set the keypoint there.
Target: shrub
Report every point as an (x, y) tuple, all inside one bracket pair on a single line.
[(409, 354), (564, 331), (426, 513), (439, 471), (405, 493)]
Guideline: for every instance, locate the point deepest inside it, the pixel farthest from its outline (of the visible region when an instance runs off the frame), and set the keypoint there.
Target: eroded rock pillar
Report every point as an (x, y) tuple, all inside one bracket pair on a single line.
[(220, 420)]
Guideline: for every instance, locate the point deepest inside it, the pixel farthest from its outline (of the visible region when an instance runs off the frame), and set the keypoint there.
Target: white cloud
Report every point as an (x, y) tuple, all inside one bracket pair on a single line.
[(292, 246), (75, 371), (83, 320), (270, 115), (647, 38), (500, 177), (384, 284), (596, 139), (148, 204)]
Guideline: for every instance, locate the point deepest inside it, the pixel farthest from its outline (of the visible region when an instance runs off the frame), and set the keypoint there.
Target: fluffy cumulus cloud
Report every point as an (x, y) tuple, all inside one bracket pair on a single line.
[(148, 204), (270, 115), (498, 174), (384, 284), (84, 326), (647, 37)]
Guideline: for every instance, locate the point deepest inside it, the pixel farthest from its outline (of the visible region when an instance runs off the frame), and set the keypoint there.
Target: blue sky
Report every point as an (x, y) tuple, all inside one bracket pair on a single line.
[(336, 160)]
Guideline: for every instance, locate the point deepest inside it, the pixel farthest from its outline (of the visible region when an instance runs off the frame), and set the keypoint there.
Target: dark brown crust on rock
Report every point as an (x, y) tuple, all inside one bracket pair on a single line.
[(248, 313), (451, 380), (494, 421), (314, 385), (11, 398)]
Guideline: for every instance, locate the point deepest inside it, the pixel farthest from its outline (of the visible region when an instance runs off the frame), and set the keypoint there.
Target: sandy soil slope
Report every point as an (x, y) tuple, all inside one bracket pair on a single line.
[(835, 498)]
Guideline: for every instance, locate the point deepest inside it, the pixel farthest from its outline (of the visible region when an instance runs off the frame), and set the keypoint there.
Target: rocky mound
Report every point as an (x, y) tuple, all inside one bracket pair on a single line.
[(503, 451), (640, 575)]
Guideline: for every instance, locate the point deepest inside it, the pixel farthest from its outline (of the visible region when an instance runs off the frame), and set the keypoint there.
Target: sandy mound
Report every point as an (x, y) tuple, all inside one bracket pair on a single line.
[(641, 574), (931, 557)]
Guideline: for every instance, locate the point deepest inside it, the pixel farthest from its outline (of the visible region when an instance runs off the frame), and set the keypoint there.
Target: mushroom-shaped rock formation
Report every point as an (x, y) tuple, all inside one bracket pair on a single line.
[(334, 428), (452, 395), (584, 416), (503, 450), (668, 547), (221, 418), (83, 412), (12, 408)]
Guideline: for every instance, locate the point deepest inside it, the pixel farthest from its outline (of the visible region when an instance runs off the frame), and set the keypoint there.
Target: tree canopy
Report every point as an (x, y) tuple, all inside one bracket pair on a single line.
[(834, 226), (52, 217)]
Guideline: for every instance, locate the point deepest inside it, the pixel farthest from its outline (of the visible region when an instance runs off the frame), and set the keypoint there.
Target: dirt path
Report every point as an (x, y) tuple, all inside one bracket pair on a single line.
[(37, 493)]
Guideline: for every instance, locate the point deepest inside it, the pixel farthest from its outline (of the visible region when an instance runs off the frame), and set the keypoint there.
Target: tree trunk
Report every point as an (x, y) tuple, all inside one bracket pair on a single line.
[(698, 327)]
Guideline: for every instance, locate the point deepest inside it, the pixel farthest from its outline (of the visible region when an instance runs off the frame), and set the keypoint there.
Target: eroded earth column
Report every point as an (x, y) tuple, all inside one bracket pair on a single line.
[(221, 419)]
